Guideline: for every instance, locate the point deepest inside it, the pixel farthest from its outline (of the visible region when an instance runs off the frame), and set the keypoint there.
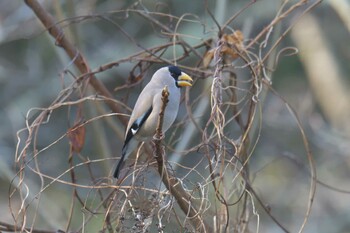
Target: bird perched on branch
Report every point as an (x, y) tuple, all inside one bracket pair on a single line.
[(144, 117)]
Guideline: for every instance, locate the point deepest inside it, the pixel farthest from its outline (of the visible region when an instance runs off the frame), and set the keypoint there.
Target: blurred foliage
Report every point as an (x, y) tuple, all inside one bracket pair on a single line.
[(34, 71)]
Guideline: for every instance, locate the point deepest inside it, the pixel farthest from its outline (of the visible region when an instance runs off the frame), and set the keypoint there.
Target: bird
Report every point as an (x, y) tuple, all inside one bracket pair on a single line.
[(144, 117)]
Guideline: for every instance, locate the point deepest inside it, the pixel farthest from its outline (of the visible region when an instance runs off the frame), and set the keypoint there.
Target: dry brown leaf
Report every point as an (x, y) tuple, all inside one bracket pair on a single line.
[(208, 57), (76, 136), (233, 42)]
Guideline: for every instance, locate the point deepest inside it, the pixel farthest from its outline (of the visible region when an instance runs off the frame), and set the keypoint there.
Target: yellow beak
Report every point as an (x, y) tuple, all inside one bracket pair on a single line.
[(184, 80)]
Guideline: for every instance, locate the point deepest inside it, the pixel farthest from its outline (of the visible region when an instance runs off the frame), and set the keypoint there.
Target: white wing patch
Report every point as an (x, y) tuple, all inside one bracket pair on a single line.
[(134, 131)]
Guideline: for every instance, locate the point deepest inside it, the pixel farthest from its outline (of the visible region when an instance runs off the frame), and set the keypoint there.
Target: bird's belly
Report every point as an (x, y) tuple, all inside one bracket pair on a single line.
[(148, 129)]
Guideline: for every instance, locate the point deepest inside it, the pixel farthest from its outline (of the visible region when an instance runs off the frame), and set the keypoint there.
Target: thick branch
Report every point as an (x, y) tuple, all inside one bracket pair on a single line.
[(74, 54), (183, 198)]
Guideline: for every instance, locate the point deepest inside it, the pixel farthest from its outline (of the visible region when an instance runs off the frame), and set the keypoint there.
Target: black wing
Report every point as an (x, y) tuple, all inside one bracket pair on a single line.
[(137, 125), (131, 132)]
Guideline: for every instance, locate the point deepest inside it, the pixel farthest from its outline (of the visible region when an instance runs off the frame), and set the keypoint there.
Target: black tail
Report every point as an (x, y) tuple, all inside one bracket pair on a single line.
[(120, 164), (119, 167)]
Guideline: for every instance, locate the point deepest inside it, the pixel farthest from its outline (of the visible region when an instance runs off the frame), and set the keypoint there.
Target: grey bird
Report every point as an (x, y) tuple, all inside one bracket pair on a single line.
[(144, 117)]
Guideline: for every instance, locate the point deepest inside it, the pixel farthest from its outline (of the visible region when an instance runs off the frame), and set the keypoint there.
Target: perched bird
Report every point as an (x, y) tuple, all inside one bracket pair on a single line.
[(144, 117)]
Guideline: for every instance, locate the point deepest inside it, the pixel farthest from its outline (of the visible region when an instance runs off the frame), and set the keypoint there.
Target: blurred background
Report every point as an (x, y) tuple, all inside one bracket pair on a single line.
[(309, 70)]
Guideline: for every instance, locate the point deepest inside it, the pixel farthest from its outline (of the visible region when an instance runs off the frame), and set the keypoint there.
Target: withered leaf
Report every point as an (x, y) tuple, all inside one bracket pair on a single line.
[(76, 136), (233, 42)]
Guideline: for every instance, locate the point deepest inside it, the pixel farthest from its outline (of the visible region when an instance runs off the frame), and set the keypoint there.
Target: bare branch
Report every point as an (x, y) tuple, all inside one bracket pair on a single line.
[(80, 62), (182, 197)]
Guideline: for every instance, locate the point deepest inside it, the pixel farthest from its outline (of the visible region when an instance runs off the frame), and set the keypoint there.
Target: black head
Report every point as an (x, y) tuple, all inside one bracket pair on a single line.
[(181, 79), (175, 72)]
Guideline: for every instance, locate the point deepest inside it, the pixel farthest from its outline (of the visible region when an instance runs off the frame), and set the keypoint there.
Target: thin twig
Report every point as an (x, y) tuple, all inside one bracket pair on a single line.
[(5, 227)]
